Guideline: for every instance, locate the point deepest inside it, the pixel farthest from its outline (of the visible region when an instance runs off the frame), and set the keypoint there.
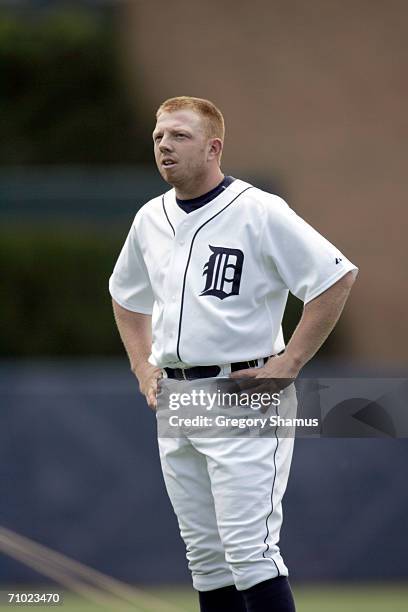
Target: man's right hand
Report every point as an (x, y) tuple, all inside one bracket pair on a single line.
[(147, 376)]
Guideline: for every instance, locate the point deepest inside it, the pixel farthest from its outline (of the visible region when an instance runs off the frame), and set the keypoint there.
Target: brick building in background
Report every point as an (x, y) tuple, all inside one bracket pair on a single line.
[(314, 95)]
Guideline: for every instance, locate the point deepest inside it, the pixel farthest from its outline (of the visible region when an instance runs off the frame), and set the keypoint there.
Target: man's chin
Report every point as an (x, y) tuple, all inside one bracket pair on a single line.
[(170, 176)]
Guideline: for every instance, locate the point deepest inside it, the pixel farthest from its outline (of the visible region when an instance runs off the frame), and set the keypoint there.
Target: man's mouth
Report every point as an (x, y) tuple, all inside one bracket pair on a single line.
[(167, 163)]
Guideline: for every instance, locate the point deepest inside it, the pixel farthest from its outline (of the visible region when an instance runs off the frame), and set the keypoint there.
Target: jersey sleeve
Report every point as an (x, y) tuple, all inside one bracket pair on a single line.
[(306, 262), (129, 284)]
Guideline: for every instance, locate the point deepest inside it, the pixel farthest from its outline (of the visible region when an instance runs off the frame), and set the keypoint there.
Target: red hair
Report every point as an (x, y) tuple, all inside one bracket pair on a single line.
[(214, 121)]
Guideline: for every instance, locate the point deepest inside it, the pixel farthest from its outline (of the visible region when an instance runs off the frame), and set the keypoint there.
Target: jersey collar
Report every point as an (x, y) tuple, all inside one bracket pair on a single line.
[(201, 215)]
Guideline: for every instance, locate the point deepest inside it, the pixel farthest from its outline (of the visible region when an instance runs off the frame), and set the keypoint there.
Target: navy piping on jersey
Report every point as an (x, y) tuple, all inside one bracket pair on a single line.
[(195, 203), (167, 216), (188, 262), (272, 508)]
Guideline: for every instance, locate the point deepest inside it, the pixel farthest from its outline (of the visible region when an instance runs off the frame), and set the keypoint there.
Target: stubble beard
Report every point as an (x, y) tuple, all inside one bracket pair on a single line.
[(188, 180)]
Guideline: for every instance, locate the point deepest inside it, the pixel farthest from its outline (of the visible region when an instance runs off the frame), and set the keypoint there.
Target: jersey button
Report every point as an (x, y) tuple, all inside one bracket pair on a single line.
[(181, 242)]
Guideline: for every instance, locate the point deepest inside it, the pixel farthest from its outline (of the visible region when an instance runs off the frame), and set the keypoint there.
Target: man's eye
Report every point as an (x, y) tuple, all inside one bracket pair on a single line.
[(157, 138), (180, 135)]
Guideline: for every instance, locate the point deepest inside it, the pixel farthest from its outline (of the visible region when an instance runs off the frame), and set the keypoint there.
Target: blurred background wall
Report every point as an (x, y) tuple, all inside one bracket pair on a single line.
[(314, 97)]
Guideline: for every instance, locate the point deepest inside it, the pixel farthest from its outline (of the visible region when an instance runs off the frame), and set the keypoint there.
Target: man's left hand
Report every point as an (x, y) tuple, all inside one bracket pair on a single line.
[(279, 370)]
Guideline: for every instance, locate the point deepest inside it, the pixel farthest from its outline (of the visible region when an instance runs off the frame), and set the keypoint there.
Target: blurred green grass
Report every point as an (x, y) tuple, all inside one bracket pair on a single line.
[(338, 598)]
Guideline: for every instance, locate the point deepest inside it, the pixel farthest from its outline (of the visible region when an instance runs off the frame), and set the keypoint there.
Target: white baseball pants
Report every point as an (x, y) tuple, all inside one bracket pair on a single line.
[(227, 495)]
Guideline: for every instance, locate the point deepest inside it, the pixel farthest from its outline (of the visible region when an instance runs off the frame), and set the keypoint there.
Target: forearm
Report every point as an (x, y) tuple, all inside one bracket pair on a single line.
[(135, 329), (318, 320), (135, 332)]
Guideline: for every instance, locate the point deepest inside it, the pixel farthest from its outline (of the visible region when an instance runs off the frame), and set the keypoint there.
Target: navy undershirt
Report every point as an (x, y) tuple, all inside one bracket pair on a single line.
[(189, 205)]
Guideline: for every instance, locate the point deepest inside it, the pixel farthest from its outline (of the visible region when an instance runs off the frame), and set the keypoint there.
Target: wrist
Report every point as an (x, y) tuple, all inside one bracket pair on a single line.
[(140, 367), (295, 359)]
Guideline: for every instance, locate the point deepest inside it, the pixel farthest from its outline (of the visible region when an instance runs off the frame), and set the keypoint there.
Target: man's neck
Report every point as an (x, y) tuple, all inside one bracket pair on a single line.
[(188, 192)]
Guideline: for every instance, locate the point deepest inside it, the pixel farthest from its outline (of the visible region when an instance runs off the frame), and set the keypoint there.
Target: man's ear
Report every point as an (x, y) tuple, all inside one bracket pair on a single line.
[(215, 149)]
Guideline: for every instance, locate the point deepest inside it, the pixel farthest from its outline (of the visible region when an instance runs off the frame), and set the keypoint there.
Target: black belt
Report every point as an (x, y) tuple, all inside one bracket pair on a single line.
[(210, 371)]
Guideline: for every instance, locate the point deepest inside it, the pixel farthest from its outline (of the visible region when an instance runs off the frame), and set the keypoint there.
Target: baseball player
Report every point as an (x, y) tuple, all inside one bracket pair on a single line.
[(199, 292)]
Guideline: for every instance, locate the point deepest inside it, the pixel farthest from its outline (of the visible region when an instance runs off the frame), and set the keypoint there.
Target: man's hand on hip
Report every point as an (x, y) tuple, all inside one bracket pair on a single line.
[(279, 366), (280, 369), (148, 375)]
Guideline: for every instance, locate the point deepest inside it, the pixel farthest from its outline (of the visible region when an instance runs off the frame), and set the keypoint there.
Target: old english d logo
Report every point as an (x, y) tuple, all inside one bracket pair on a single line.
[(223, 271)]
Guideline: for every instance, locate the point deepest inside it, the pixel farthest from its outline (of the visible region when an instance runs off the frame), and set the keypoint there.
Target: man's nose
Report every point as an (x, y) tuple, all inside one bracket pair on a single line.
[(165, 144)]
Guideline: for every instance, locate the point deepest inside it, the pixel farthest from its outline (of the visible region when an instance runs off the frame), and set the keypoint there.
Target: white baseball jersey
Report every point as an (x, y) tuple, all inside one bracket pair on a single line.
[(216, 280)]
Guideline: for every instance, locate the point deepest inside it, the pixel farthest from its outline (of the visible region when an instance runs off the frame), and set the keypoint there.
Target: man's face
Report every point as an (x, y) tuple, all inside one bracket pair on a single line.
[(181, 147)]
